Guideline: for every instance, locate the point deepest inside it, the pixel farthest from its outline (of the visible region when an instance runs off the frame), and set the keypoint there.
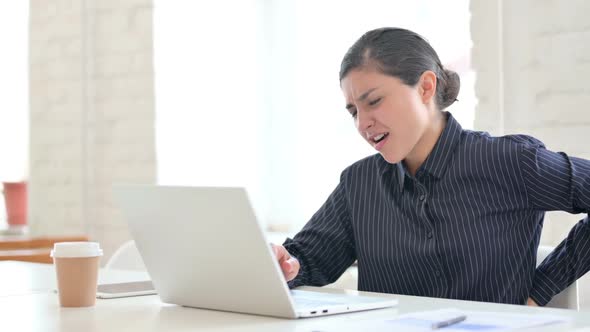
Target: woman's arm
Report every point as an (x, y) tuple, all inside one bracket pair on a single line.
[(555, 181), (325, 246)]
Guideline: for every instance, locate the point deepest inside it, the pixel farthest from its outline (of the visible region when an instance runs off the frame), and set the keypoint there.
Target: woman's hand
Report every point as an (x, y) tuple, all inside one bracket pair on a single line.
[(289, 265), (531, 303)]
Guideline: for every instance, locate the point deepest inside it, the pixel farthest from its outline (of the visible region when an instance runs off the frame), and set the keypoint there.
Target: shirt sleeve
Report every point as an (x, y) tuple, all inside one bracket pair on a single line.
[(556, 181), (325, 246)]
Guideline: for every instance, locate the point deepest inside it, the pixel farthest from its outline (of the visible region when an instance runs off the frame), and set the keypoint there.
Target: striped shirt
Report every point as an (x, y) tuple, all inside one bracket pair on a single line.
[(466, 226)]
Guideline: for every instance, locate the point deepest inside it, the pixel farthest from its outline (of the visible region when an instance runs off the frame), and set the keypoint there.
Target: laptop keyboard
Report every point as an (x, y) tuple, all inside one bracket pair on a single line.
[(316, 303), (311, 301)]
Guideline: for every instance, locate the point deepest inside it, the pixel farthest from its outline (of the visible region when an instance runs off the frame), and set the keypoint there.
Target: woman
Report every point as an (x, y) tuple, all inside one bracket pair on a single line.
[(439, 211)]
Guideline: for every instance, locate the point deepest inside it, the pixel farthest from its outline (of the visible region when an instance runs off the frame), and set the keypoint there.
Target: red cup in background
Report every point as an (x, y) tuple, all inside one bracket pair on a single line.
[(15, 200)]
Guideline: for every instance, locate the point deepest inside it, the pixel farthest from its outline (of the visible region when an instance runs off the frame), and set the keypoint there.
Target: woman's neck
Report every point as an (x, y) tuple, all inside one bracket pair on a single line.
[(418, 155)]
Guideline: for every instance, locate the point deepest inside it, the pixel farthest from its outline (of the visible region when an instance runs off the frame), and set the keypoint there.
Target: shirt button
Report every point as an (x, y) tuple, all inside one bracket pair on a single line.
[(422, 197), (429, 235), (437, 273)]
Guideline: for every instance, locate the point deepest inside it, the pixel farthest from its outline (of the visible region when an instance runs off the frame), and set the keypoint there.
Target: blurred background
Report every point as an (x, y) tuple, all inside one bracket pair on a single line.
[(246, 93)]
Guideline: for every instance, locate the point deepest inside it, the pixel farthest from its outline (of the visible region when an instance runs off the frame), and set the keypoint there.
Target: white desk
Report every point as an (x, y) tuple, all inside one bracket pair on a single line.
[(22, 278), (38, 310)]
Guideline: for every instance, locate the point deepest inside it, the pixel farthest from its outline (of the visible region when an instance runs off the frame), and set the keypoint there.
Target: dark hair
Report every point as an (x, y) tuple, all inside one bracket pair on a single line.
[(403, 54)]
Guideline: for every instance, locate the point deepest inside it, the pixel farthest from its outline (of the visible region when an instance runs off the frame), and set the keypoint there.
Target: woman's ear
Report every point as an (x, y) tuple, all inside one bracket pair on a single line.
[(427, 86)]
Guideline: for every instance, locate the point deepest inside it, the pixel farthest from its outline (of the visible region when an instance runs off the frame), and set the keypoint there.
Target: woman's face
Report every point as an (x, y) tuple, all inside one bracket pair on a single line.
[(390, 115)]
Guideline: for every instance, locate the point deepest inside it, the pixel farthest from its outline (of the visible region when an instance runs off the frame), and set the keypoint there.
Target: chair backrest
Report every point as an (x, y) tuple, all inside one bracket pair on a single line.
[(569, 297), (127, 257)]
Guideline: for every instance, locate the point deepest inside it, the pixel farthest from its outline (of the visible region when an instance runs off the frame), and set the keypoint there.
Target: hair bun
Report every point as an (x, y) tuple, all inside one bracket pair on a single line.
[(452, 84)]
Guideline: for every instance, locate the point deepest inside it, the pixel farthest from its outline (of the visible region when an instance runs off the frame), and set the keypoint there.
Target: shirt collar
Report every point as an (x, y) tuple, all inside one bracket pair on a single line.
[(397, 169), (437, 161), (400, 171)]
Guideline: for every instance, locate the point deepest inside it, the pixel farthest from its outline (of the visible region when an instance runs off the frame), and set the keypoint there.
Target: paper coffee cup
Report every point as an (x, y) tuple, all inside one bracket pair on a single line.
[(76, 266)]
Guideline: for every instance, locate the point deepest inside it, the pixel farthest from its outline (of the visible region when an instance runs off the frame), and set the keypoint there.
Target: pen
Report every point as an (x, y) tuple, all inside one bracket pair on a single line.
[(448, 322)]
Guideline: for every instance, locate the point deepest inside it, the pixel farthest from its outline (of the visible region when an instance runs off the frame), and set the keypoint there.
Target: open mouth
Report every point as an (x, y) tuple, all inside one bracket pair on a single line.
[(379, 138), (378, 141)]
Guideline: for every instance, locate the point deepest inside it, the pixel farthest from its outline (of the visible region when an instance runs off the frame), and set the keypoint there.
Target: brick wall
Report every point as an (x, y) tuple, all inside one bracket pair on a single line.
[(531, 59), (92, 113)]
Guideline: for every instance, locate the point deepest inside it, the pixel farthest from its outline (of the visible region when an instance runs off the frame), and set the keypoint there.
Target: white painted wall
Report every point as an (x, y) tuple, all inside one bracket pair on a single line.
[(91, 113)]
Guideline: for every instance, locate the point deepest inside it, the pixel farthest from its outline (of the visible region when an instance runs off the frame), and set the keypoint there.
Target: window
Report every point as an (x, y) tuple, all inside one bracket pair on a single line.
[(250, 96)]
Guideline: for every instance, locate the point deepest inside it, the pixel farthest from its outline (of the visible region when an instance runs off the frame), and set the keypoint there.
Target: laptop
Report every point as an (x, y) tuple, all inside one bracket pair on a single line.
[(203, 248)]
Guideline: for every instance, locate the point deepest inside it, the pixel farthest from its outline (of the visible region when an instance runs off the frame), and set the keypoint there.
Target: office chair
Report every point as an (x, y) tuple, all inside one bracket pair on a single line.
[(127, 257), (348, 280)]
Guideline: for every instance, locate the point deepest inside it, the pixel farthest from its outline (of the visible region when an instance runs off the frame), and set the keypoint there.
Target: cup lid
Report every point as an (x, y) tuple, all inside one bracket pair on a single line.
[(76, 249)]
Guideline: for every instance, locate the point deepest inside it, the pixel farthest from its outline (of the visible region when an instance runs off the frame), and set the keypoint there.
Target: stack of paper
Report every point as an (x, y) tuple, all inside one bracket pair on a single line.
[(468, 321)]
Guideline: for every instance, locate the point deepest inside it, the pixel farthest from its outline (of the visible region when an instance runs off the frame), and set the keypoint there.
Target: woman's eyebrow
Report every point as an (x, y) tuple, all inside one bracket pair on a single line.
[(362, 97)]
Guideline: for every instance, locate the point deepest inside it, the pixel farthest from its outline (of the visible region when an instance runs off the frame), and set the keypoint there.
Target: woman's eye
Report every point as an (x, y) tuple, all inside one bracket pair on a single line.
[(374, 102), (353, 113)]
